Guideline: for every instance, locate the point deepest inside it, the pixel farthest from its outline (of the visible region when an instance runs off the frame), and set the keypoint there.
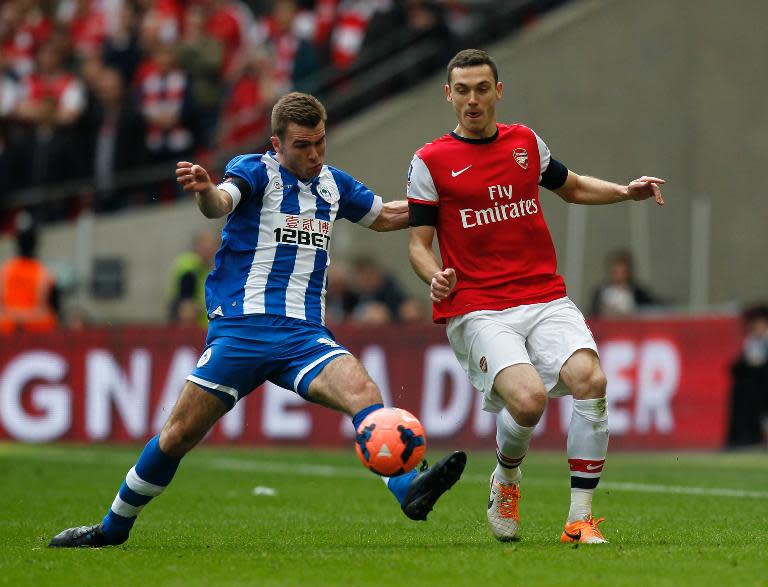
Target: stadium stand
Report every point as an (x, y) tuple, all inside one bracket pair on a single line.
[(96, 96)]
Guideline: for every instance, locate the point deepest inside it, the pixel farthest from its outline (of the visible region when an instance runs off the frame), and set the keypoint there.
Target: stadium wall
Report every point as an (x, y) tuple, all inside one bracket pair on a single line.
[(669, 387), (618, 89)]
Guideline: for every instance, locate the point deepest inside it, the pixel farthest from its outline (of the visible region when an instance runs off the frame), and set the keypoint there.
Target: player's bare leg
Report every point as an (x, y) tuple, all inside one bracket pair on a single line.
[(525, 398), (587, 443), (193, 415), (345, 385)]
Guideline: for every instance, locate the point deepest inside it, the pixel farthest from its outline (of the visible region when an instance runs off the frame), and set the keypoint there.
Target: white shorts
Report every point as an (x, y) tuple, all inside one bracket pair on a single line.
[(543, 335)]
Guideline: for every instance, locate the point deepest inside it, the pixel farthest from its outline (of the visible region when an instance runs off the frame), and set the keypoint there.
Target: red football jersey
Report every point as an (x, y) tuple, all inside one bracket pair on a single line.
[(490, 224)]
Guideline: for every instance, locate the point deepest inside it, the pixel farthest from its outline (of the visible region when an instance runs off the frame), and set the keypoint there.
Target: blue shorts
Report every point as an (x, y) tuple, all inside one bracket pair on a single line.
[(242, 352)]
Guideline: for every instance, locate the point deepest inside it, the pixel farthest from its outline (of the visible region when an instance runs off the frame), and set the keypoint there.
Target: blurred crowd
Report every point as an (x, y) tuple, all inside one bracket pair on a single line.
[(92, 88)]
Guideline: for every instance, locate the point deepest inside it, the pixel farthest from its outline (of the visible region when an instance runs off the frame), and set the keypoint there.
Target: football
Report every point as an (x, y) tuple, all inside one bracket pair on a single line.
[(390, 441)]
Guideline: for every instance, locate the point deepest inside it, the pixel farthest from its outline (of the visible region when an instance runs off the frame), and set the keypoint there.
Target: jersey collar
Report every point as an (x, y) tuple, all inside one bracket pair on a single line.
[(483, 141)]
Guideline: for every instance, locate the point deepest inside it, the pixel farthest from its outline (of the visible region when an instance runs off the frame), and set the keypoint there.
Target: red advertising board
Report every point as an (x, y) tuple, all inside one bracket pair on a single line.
[(668, 387)]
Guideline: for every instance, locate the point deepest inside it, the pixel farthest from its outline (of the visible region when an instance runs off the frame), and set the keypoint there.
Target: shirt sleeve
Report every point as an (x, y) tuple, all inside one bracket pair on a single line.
[(544, 156), (421, 187), (553, 173), (239, 179), (357, 203)]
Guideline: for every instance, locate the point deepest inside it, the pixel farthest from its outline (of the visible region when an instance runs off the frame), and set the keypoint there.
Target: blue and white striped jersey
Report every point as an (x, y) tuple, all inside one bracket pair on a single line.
[(274, 252)]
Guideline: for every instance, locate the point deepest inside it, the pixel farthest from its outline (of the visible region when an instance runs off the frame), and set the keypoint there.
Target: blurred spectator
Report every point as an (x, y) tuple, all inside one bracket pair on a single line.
[(29, 298), (187, 280), (86, 23), (749, 373), (372, 313), (52, 81), (49, 153), (459, 18), (352, 22), (24, 28), (413, 311), (47, 142), (167, 105), (376, 285), (295, 62), (413, 30), (228, 22), (620, 295), (245, 114), (202, 56), (121, 48), (160, 23), (116, 134), (340, 296), (323, 22)]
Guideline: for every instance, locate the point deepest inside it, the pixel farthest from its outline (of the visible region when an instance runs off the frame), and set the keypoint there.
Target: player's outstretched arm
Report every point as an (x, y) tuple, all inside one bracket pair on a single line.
[(582, 189), (213, 202), (393, 216), (441, 281)]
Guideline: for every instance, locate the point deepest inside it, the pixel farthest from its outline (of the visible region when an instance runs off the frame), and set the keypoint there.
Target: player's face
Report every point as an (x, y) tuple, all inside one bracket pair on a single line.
[(473, 94), (302, 151)]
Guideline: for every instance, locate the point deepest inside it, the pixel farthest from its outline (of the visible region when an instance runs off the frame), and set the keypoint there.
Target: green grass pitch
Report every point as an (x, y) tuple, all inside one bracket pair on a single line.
[(290, 517)]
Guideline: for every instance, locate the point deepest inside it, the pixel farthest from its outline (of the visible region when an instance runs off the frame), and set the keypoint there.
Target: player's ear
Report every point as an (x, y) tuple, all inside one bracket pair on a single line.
[(499, 89), (275, 143), (447, 90)]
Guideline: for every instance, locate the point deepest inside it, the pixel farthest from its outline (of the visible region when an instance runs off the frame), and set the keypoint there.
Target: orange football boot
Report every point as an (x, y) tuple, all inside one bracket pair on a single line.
[(584, 531)]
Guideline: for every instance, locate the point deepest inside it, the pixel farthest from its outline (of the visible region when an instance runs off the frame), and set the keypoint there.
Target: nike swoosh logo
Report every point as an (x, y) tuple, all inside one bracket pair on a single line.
[(459, 172), (591, 467), (576, 537)]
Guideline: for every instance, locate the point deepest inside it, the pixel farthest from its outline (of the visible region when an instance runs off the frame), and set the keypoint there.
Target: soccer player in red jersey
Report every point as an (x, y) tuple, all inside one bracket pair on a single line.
[(509, 320)]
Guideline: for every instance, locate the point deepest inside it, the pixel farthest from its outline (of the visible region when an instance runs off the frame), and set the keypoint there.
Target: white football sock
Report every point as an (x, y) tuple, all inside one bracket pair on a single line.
[(587, 448), (512, 442), (581, 504)]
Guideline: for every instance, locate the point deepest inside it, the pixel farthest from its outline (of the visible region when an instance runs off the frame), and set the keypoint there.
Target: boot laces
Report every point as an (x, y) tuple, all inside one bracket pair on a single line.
[(509, 496), (592, 526)]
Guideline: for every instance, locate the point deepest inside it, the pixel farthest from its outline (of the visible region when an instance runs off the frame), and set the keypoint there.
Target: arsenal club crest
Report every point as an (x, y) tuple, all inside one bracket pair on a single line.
[(521, 156)]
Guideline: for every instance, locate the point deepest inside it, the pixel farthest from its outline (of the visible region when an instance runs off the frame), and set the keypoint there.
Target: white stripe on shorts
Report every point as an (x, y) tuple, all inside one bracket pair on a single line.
[(217, 386), (314, 363)]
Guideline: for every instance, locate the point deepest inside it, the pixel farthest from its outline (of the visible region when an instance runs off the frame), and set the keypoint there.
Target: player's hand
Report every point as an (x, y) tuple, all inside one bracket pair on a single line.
[(646, 187), (192, 177), (442, 284)]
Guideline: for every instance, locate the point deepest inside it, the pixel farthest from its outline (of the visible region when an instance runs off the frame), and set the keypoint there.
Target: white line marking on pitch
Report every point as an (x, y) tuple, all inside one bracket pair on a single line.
[(314, 470), (309, 470)]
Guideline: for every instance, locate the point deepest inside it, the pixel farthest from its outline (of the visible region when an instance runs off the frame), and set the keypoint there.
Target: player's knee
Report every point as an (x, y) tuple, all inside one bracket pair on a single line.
[(529, 406), (177, 438), (590, 385)]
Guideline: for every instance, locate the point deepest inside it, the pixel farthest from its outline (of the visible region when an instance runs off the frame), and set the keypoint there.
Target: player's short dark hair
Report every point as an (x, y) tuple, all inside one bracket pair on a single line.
[(471, 58), (302, 109)]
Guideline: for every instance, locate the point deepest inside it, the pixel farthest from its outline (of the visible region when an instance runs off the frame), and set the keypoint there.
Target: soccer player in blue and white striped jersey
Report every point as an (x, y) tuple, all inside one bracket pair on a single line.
[(266, 304)]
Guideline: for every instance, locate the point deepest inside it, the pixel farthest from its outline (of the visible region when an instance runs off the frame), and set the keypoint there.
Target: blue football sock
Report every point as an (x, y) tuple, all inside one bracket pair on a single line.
[(147, 479), (358, 418), (399, 485)]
